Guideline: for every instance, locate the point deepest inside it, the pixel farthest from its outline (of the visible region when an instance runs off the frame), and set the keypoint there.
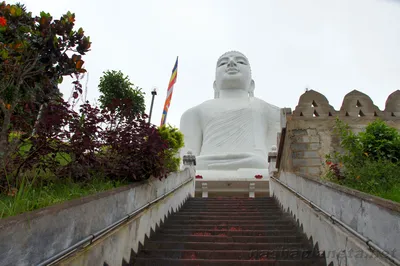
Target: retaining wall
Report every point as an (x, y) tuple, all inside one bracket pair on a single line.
[(374, 218), (30, 238)]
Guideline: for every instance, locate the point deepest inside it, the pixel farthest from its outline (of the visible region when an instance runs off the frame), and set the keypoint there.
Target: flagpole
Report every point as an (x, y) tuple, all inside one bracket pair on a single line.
[(153, 93)]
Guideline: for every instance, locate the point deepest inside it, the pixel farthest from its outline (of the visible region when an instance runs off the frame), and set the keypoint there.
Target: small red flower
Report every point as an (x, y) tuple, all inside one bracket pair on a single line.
[(258, 176), (199, 177), (3, 21)]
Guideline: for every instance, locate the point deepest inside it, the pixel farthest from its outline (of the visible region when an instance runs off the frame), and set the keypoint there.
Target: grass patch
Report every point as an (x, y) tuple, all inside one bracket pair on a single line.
[(29, 198), (392, 194)]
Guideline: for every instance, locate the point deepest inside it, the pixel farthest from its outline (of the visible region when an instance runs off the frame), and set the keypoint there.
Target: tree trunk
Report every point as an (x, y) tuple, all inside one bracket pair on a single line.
[(4, 134), (39, 116)]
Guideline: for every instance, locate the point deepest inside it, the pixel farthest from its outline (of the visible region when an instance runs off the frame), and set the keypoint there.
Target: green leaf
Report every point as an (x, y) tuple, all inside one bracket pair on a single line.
[(18, 12), (4, 54)]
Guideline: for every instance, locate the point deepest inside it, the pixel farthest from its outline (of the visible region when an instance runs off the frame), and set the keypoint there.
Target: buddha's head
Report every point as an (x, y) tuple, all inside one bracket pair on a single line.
[(233, 73)]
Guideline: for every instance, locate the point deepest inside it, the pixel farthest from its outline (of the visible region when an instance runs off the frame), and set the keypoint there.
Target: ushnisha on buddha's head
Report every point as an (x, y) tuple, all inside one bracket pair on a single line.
[(233, 73)]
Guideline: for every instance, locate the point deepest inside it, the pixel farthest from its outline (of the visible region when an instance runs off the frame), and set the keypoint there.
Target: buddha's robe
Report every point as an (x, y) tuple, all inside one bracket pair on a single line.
[(234, 133)]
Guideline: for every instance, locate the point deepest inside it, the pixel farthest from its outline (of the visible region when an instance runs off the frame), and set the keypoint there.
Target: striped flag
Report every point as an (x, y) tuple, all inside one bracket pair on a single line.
[(169, 92)]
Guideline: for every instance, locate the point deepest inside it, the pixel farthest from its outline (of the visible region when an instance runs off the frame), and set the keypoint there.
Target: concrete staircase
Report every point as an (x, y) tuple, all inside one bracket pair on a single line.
[(229, 231)]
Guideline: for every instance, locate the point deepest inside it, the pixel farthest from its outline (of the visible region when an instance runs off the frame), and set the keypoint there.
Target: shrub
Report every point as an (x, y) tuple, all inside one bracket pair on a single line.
[(133, 145), (369, 161), (105, 142), (174, 140)]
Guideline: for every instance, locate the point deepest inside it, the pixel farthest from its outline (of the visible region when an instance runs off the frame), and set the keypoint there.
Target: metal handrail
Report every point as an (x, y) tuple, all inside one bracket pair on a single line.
[(367, 241), (91, 238)]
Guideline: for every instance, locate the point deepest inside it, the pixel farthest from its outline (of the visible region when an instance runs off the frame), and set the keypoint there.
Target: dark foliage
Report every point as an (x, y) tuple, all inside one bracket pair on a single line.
[(117, 145)]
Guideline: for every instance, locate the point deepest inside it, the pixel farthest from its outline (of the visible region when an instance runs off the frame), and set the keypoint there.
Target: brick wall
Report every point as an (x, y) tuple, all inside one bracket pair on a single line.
[(308, 136)]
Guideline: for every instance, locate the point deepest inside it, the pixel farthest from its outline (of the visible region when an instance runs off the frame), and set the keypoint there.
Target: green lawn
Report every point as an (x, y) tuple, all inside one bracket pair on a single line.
[(393, 194), (35, 198)]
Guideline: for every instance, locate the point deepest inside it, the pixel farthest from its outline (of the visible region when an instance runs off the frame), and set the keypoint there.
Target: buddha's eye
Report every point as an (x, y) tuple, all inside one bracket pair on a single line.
[(222, 63), (241, 62)]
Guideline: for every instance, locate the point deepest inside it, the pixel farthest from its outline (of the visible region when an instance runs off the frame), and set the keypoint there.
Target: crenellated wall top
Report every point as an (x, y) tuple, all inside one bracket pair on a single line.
[(355, 104)]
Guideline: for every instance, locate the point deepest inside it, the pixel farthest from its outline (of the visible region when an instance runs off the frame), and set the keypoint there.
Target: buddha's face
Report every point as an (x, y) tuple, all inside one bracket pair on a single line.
[(233, 72)]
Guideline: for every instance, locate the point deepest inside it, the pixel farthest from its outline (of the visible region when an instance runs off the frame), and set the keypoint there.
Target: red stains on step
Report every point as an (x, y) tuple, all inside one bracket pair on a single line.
[(263, 258), (201, 233), (237, 228), (189, 256), (224, 235), (216, 228)]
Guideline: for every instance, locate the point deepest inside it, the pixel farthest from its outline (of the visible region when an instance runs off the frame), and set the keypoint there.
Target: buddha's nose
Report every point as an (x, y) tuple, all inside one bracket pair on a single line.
[(231, 63)]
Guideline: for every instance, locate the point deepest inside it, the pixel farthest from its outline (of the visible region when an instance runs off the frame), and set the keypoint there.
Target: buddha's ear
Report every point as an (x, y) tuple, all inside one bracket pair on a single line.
[(216, 92), (251, 88)]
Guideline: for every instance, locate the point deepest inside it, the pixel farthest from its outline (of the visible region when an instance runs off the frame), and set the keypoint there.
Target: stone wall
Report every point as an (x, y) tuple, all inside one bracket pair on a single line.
[(308, 132), (33, 237)]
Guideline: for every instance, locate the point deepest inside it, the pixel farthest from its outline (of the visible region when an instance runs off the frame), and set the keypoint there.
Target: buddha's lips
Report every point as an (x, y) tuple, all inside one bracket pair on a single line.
[(232, 70)]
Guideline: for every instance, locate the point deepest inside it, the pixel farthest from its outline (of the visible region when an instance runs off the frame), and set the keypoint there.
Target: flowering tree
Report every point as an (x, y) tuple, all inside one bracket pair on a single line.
[(35, 54)]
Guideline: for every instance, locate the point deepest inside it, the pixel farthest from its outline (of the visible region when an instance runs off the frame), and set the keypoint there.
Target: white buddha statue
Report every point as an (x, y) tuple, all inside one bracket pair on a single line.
[(235, 130)]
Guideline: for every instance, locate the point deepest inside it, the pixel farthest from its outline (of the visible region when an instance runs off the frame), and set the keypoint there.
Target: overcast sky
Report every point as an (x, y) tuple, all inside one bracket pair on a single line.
[(332, 46)]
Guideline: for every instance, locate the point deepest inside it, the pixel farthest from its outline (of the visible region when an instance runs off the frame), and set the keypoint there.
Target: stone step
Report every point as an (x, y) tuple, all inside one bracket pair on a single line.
[(284, 253), (228, 222), (249, 209), (230, 217), (225, 238), (231, 231), (265, 227), (222, 200), (230, 213), (166, 245), (226, 231), (195, 262), (230, 207), (215, 201)]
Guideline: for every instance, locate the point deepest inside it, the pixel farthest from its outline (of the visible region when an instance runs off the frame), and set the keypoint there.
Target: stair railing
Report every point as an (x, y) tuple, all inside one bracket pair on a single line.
[(87, 241), (335, 220)]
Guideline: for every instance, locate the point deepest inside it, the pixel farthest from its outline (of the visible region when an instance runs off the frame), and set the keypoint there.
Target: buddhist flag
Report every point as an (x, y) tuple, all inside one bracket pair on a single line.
[(169, 92)]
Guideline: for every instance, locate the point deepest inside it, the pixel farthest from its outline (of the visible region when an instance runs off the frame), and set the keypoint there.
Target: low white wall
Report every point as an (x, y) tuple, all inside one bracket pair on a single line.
[(374, 218), (30, 238)]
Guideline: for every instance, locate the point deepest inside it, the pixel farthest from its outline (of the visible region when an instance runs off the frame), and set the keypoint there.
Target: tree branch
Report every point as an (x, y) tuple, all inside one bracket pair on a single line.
[(29, 68), (3, 106)]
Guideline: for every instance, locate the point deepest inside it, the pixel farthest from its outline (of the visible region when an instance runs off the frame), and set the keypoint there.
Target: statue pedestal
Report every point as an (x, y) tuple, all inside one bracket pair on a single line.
[(239, 183)]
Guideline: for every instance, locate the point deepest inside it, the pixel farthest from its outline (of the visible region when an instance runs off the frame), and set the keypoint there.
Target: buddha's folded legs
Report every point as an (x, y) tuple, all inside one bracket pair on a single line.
[(231, 161)]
